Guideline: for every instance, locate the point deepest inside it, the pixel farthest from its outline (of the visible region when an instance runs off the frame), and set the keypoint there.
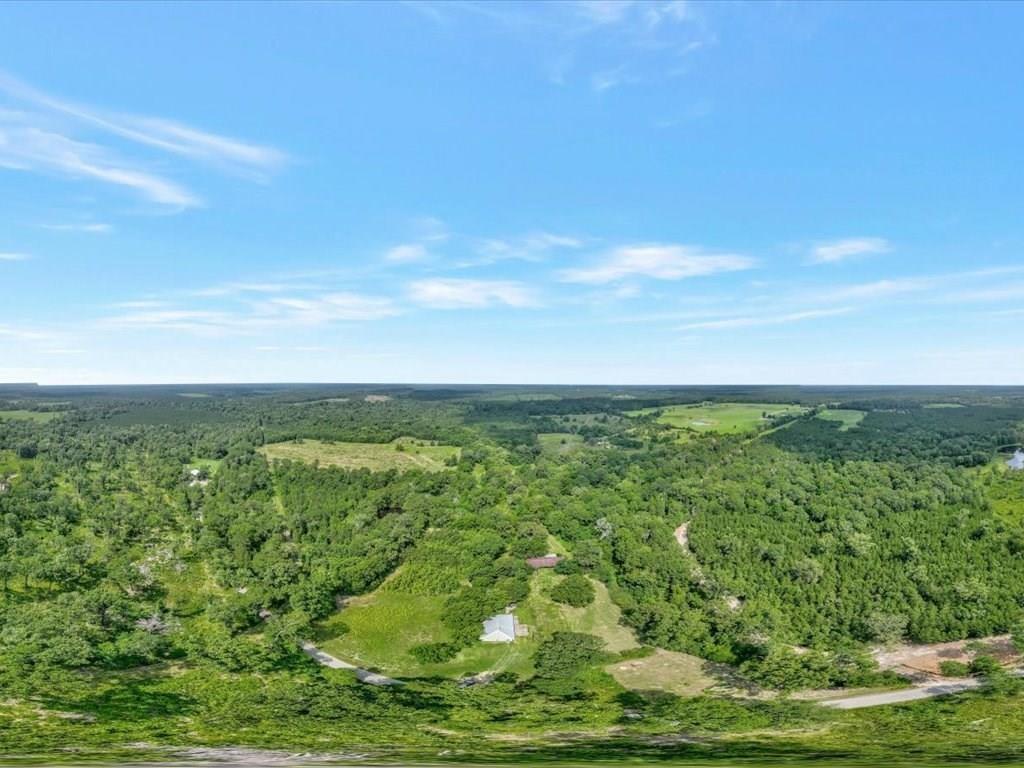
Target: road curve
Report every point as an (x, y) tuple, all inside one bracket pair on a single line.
[(363, 675)]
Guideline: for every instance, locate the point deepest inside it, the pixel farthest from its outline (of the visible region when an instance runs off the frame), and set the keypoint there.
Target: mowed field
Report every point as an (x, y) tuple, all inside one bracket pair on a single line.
[(846, 418), (38, 416), (402, 454), (559, 442), (723, 418), (378, 630)]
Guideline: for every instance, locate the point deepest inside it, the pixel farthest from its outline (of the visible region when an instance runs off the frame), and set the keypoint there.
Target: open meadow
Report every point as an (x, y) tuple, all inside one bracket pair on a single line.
[(401, 454), (722, 418)]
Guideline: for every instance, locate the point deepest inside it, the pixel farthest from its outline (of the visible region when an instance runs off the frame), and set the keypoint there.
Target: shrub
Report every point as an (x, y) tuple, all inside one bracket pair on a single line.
[(434, 653), (954, 669), (984, 665), (575, 590)]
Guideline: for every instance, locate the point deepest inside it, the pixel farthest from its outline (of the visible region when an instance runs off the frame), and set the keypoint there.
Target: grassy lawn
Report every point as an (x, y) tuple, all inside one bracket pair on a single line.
[(38, 416), (846, 418), (377, 631), (600, 618), (722, 418), (402, 454), (210, 465), (677, 673), (558, 443)]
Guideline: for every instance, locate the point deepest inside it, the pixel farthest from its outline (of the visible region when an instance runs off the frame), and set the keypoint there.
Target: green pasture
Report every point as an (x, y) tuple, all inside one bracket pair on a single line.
[(402, 454), (847, 418), (721, 418)]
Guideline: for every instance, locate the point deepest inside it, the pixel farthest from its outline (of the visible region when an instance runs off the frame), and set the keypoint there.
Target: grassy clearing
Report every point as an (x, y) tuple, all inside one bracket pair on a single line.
[(558, 443), (521, 397), (600, 618), (378, 630), (677, 673), (402, 454), (210, 465), (846, 418), (40, 417), (721, 418)]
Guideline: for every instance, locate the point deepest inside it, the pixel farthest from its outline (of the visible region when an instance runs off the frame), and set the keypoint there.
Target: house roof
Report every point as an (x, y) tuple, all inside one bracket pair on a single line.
[(1017, 462), (502, 623)]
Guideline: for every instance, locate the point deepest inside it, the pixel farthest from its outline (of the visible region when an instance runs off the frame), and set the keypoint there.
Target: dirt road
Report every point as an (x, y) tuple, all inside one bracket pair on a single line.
[(363, 675), (918, 692)]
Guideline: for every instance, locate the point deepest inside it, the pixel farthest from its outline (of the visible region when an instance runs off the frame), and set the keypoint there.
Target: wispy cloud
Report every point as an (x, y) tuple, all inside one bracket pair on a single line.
[(253, 316), (657, 261), (96, 228), (14, 257), (534, 246), (750, 321), (406, 253), (836, 251), (455, 293), (41, 137), (602, 43), (25, 147)]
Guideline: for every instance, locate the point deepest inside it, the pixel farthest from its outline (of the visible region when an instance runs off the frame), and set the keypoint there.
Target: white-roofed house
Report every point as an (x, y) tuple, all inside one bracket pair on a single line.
[(500, 628), (1017, 462)]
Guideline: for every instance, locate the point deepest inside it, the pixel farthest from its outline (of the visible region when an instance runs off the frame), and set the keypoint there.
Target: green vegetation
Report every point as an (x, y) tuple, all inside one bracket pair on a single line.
[(846, 418), (139, 606), (557, 443), (401, 454), (723, 418), (37, 416), (575, 590)]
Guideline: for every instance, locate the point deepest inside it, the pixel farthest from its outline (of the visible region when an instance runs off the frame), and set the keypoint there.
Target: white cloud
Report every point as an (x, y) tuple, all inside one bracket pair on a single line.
[(604, 11), (167, 135), (332, 307), (453, 293), (429, 229), (836, 251), (758, 320), (89, 228), (658, 261), (534, 246), (254, 316), (406, 253), (44, 140), (27, 148), (14, 257)]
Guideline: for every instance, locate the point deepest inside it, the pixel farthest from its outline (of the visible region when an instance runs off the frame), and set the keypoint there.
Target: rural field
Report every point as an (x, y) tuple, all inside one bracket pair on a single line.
[(847, 418), (558, 443), (401, 454), (37, 416), (721, 418)]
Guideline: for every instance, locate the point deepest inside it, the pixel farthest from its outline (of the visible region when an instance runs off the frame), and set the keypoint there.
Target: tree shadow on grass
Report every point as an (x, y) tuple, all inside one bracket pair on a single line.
[(129, 701)]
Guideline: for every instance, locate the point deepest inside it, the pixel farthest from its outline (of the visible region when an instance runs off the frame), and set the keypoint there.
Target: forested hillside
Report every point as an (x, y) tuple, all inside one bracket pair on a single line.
[(157, 568)]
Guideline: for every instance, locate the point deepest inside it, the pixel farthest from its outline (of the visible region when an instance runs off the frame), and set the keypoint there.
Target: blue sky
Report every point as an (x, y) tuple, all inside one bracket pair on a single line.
[(589, 192)]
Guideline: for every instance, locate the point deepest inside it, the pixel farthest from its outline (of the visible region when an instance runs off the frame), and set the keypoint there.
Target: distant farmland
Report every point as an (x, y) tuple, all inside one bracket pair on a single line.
[(723, 418), (37, 416), (401, 454)]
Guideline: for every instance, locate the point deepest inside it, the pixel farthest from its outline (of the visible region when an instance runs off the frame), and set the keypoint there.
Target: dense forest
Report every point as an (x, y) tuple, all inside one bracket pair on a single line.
[(149, 546)]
